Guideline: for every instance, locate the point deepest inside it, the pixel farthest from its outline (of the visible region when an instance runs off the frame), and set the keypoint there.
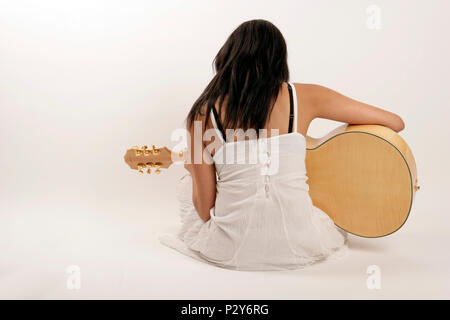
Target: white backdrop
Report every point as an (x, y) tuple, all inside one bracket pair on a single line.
[(82, 81)]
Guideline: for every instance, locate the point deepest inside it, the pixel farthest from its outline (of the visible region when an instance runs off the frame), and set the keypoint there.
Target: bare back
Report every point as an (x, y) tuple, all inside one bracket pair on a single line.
[(278, 121)]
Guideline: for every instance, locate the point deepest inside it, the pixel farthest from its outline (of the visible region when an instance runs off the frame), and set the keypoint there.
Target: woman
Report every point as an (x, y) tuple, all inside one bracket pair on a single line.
[(258, 215)]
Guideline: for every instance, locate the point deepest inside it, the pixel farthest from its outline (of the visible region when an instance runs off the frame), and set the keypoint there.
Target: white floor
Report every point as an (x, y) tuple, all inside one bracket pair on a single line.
[(120, 258)]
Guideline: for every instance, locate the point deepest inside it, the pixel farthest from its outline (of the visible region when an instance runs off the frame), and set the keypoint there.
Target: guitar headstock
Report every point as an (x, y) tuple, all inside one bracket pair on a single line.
[(156, 158)]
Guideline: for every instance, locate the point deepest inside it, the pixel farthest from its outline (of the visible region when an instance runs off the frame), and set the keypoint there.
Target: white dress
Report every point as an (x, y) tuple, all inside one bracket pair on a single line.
[(263, 218)]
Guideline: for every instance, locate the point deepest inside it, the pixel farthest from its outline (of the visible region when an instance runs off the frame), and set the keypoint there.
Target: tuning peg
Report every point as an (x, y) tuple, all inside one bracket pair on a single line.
[(141, 151), (149, 171), (157, 166), (147, 152), (140, 166), (155, 150)]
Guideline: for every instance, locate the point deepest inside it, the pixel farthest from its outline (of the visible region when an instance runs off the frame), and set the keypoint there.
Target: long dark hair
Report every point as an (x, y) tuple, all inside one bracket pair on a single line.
[(250, 69)]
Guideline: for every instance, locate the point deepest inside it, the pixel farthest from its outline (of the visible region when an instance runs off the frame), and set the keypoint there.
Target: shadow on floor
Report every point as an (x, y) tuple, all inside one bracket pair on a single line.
[(366, 244)]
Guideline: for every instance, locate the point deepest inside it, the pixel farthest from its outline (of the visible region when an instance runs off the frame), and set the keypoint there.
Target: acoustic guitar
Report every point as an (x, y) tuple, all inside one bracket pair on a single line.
[(363, 176)]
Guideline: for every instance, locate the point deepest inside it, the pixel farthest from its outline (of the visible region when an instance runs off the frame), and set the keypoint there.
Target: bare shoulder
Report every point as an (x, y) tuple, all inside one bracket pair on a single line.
[(200, 117), (307, 94)]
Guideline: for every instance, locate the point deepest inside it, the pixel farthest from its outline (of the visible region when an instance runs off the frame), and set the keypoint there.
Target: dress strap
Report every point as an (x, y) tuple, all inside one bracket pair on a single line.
[(215, 119), (293, 108)]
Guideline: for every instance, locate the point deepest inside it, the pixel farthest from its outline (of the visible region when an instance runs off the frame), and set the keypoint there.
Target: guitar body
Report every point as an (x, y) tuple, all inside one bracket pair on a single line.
[(364, 177)]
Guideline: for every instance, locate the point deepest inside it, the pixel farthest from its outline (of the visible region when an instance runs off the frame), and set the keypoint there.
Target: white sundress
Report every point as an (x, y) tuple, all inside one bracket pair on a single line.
[(263, 218)]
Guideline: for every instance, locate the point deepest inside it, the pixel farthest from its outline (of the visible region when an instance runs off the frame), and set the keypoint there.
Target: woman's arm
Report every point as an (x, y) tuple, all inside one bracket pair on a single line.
[(326, 103), (203, 175)]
